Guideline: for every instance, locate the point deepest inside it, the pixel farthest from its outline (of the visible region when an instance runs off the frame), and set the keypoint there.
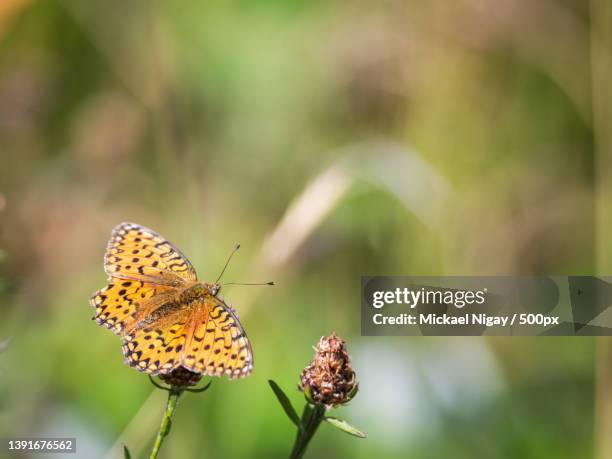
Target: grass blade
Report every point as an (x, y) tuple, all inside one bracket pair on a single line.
[(284, 401), (345, 427)]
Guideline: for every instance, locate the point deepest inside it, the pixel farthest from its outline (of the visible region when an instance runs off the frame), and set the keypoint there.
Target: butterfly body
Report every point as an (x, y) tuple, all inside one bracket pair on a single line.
[(166, 317), (199, 291)]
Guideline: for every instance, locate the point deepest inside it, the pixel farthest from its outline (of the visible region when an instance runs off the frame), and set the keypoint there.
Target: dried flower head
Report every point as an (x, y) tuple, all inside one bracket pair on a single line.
[(181, 377), (329, 379)]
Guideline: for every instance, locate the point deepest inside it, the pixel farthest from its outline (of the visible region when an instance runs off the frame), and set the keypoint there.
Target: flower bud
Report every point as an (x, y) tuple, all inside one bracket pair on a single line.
[(329, 379), (181, 377)]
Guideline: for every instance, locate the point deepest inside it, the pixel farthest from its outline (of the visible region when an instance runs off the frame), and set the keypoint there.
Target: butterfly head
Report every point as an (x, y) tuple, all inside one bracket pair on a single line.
[(213, 288)]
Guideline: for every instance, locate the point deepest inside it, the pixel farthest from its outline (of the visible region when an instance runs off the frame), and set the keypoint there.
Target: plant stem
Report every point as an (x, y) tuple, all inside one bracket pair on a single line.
[(173, 396), (311, 418)]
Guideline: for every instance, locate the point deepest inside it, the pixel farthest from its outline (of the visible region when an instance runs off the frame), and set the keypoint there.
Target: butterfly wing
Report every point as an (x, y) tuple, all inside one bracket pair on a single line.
[(207, 340), (156, 344), (138, 253), (218, 344), (144, 271), (123, 302)]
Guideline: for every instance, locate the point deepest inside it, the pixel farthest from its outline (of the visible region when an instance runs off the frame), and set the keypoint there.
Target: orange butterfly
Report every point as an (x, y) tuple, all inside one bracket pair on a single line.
[(166, 317)]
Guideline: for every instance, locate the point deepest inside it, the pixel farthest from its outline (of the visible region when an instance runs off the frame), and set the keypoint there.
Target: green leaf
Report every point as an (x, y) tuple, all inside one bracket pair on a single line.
[(284, 401), (126, 453), (345, 427)]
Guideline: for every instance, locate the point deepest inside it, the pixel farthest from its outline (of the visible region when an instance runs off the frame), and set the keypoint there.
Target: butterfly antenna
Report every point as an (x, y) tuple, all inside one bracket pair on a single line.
[(256, 283), (227, 262)]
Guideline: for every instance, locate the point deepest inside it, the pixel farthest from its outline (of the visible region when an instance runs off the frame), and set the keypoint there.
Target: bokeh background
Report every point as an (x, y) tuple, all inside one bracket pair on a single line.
[(333, 140)]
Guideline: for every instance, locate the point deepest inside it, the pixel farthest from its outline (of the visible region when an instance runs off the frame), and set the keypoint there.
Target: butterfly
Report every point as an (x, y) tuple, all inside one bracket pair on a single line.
[(166, 317)]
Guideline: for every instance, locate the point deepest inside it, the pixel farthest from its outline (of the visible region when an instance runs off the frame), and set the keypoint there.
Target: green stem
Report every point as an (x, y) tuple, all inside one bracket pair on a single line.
[(164, 429), (311, 418)]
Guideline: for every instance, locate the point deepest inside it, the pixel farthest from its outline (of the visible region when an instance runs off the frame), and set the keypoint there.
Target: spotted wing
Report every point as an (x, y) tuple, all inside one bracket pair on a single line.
[(122, 303), (155, 345), (138, 253), (218, 344)]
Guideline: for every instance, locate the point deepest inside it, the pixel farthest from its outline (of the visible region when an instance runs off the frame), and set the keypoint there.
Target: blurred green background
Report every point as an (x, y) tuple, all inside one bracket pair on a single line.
[(333, 140)]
